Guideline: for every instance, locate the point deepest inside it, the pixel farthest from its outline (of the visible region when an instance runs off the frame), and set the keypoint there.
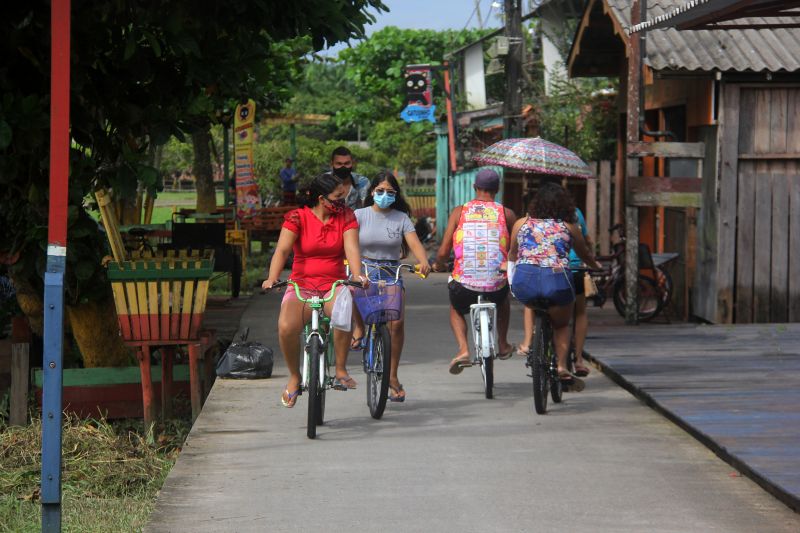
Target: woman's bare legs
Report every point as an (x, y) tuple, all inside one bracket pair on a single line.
[(581, 328), (559, 317)]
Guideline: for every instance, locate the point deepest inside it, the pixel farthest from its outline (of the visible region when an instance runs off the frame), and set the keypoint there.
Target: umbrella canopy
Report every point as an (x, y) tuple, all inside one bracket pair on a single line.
[(534, 155)]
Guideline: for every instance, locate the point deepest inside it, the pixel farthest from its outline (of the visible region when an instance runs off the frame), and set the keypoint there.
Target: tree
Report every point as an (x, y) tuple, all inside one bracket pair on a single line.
[(375, 67), (140, 72)]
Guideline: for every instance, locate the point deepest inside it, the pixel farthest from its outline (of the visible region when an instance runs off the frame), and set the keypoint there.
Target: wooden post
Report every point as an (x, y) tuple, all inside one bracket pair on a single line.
[(20, 376), (591, 207), (167, 357), (207, 338), (194, 378), (604, 210), (148, 395), (632, 169)]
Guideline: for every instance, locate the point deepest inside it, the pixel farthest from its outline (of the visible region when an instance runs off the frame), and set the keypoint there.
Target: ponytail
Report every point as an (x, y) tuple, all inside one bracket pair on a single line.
[(322, 185)]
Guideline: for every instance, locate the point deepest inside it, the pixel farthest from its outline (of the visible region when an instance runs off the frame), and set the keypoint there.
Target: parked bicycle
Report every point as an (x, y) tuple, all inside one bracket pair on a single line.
[(318, 356), (654, 294), (378, 304)]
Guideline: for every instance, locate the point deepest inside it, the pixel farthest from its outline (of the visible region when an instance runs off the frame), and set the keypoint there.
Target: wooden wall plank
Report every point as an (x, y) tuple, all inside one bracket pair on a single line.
[(762, 249), (728, 183), (604, 207), (704, 284), (667, 149), (794, 240), (20, 377), (779, 268), (778, 120), (745, 231), (591, 205)]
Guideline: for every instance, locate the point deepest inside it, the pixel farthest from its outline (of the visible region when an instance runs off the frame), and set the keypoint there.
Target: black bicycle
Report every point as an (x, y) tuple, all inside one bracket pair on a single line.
[(542, 359)]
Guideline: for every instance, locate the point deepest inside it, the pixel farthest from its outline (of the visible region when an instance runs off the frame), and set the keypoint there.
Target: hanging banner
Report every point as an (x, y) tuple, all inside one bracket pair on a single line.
[(419, 96), (248, 199)]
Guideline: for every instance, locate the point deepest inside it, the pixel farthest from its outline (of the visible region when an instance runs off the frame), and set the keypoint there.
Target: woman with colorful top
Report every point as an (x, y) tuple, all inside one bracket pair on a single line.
[(581, 317), (540, 245), (385, 232), (322, 232)]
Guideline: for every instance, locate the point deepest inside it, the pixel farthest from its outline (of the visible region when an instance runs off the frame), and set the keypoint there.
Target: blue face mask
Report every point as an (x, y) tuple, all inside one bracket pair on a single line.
[(383, 200)]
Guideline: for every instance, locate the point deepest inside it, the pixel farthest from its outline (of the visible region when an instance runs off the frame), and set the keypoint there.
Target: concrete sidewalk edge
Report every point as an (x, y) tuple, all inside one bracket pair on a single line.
[(789, 499)]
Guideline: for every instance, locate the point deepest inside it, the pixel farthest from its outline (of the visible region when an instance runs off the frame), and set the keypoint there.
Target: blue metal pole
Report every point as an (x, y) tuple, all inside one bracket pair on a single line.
[(56, 264), (52, 387)]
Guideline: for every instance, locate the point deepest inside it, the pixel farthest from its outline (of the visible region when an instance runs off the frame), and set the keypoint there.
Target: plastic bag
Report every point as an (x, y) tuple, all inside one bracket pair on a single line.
[(246, 360), (510, 271), (342, 314)]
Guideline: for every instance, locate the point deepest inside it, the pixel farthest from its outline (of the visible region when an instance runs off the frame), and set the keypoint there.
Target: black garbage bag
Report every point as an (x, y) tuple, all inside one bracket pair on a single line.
[(246, 360)]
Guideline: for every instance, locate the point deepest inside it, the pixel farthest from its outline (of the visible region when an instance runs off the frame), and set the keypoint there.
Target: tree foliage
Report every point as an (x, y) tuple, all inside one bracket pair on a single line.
[(141, 72)]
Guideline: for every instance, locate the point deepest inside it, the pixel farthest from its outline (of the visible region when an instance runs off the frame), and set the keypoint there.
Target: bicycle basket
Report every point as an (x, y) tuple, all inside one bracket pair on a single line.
[(379, 302)]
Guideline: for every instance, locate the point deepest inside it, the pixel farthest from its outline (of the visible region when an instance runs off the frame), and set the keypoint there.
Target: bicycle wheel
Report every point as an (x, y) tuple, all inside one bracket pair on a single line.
[(379, 369), (556, 389), (487, 372), (539, 367), (315, 362), (650, 303), (483, 347)]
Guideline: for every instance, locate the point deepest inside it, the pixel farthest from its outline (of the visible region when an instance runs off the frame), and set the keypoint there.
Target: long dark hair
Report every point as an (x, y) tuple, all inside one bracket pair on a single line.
[(322, 185), (400, 203), (553, 202)]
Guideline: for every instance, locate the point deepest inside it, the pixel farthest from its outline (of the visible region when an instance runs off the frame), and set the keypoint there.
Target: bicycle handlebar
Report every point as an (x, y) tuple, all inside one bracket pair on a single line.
[(326, 299), (414, 269)]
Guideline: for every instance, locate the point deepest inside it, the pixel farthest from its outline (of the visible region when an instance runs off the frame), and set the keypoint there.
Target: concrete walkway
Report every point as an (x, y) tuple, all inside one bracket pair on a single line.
[(447, 459)]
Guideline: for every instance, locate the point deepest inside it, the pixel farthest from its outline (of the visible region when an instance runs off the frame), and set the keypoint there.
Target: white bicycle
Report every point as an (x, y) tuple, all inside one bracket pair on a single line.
[(483, 322)]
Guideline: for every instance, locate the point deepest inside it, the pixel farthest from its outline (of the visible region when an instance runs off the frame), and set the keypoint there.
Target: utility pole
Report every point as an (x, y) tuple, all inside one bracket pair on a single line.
[(512, 104)]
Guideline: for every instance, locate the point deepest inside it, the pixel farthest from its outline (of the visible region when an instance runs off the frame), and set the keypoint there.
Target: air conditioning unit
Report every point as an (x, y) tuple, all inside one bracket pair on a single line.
[(502, 45), (495, 66)]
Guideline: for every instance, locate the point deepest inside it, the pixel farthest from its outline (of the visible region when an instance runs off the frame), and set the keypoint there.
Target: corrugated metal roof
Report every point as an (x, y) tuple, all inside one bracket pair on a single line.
[(708, 50), (698, 13)]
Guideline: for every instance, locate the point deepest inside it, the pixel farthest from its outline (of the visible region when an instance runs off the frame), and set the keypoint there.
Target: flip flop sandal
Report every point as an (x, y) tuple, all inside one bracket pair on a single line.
[(581, 371), (399, 396), (522, 352), (289, 399), (508, 354), (570, 382), (346, 383), (357, 344), (458, 364)]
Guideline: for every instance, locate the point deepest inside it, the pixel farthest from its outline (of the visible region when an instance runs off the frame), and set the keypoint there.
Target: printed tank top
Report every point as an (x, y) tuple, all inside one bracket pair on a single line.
[(544, 243), (481, 246)]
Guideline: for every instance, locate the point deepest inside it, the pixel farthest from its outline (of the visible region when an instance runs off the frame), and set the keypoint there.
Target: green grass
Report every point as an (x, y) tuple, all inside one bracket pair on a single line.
[(112, 474)]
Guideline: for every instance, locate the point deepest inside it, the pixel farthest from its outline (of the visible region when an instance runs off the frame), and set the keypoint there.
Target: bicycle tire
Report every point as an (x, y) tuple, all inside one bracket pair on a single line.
[(485, 354), (539, 367), (315, 356), (650, 303), (487, 372), (379, 373)]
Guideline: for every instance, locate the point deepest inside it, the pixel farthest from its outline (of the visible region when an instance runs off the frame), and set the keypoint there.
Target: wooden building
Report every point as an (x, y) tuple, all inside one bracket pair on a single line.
[(729, 200)]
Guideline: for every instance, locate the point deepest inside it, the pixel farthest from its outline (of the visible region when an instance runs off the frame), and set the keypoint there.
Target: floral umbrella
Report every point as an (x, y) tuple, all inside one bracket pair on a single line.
[(534, 155)]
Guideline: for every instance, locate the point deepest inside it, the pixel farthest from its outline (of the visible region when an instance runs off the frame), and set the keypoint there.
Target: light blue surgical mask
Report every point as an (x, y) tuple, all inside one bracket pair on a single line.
[(383, 200)]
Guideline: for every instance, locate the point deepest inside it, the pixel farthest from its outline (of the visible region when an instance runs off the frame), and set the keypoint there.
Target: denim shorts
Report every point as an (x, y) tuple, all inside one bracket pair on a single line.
[(375, 273), (531, 282)]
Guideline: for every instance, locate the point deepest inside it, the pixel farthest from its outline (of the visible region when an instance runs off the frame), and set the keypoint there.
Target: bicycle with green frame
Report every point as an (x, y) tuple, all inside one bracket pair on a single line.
[(318, 356), (378, 304)]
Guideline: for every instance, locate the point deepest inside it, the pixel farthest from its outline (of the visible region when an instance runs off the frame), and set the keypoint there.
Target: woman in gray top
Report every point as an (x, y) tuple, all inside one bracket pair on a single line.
[(385, 235)]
